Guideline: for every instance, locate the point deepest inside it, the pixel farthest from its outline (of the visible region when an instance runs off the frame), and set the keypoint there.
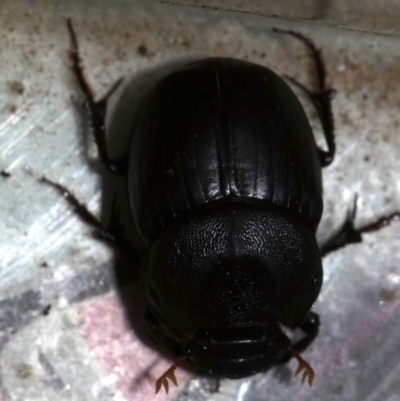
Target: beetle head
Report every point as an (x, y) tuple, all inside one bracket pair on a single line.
[(226, 351), (237, 352), (233, 352), (218, 283)]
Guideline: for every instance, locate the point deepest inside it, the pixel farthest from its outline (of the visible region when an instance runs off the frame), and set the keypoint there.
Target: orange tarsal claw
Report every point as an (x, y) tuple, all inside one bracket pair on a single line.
[(303, 365), (168, 374)]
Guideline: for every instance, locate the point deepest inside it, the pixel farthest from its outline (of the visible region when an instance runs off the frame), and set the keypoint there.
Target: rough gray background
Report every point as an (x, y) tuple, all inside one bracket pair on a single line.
[(48, 256)]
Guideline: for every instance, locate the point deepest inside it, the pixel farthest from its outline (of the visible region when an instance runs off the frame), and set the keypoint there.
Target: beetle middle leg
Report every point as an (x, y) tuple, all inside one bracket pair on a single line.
[(348, 234), (111, 234), (96, 109), (321, 98)]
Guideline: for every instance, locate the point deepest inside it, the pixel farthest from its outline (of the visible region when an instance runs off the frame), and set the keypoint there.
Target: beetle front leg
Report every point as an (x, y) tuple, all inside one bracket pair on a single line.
[(96, 109), (310, 326), (320, 98), (348, 234)]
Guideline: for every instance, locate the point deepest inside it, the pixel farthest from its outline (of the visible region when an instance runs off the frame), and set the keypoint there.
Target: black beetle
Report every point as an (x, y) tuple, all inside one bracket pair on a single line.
[(224, 182)]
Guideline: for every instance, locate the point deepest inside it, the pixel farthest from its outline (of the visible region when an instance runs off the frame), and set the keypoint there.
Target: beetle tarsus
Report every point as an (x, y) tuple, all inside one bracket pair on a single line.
[(316, 53), (76, 63), (96, 110), (303, 366), (109, 234), (169, 374), (348, 234), (380, 223), (79, 207)]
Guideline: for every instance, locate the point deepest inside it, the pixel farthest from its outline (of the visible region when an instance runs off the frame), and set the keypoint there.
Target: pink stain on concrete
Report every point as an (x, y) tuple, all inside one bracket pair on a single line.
[(116, 347)]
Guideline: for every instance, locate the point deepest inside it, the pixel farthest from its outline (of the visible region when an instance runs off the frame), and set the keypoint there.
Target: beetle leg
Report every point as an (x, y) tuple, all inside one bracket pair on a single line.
[(97, 110), (303, 365), (321, 98), (79, 207), (110, 234), (214, 385), (348, 234), (168, 374), (310, 326)]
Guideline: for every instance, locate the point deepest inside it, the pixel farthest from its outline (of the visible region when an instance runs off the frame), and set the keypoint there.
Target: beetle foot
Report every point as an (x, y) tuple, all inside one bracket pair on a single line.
[(316, 53), (168, 374), (303, 365), (111, 234), (382, 222), (80, 209), (97, 110), (76, 63)]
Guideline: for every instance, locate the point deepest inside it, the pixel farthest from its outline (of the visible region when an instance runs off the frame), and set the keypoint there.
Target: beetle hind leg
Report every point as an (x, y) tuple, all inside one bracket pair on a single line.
[(348, 234), (320, 98), (97, 110)]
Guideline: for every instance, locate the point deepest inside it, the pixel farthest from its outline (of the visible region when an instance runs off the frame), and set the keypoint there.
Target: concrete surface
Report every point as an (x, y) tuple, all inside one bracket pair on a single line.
[(65, 326)]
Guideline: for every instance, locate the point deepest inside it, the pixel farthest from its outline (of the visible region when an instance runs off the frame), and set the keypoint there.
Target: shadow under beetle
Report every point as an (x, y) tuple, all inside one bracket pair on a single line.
[(224, 183)]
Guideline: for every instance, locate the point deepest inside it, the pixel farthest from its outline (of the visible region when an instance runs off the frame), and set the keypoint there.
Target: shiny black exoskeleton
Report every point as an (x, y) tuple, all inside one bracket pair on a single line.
[(225, 188), (224, 181)]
